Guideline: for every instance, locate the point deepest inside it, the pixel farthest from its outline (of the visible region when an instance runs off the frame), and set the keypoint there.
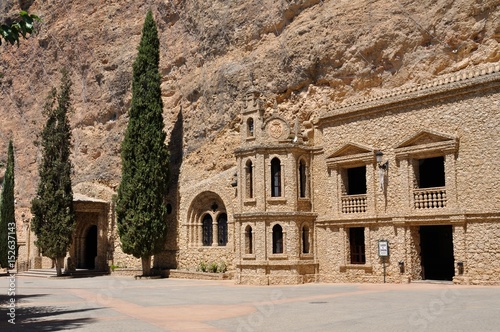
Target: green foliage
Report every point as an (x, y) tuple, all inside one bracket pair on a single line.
[(202, 267), (222, 267), (8, 234), (140, 205), (53, 216), (213, 267), (12, 32)]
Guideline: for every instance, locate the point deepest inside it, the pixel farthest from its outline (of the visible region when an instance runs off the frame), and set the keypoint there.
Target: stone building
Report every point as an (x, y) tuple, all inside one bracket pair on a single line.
[(399, 187), (414, 169)]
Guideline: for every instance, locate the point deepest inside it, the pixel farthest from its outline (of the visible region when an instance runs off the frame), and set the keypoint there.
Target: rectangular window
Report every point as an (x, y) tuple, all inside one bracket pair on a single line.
[(431, 172), (356, 181), (357, 245), (275, 177)]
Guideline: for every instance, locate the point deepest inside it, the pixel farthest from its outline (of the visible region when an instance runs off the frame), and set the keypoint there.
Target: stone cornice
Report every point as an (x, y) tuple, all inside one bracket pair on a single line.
[(410, 220), (262, 216), (455, 84), (275, 148)]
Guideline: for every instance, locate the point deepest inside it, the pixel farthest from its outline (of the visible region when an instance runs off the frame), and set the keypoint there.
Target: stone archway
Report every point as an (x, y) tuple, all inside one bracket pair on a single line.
[(89, 249), (207, 205)]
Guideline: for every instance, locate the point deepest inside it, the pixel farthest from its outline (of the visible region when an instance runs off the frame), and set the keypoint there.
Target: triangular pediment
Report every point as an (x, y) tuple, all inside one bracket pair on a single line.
[(351, 149), (425, 137), (426, 143)]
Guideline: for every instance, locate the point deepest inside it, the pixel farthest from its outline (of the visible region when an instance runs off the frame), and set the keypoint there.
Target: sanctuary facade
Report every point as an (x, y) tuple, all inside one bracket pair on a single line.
[(398, 187)]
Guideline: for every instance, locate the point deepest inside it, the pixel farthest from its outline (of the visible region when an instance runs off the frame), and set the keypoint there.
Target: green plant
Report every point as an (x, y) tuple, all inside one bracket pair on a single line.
[(52, 208), (202, 267), (222, 267), (213, 267), (140, 208), (12, 32)]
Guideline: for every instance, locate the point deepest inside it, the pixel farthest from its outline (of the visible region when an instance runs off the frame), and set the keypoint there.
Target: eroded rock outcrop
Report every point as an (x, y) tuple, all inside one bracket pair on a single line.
[(304, 54)]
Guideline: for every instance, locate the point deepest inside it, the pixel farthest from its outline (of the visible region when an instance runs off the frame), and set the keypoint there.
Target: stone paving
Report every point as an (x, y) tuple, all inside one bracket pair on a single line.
[(122, 304)]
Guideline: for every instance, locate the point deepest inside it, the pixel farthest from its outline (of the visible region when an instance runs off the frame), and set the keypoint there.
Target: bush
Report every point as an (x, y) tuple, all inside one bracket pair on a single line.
[(202, 267), (212, 267), (222, 267)]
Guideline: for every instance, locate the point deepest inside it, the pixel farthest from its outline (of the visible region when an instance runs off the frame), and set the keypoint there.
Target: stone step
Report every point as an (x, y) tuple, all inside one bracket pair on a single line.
[(49, 273), (42, 273)]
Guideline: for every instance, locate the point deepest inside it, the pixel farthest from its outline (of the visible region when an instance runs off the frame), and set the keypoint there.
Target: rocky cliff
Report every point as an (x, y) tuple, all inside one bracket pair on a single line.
[(301, 54)]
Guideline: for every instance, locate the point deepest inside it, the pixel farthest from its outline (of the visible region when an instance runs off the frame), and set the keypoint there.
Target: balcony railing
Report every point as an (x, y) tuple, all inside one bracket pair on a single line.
[(429, 198), (354, 203)]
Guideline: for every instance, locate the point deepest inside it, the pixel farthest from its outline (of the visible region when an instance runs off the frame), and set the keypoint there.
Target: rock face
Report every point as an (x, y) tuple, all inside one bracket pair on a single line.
[(301, 54)]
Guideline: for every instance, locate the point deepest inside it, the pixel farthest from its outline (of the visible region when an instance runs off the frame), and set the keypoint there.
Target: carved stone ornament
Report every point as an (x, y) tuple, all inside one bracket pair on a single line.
[(275, 129)]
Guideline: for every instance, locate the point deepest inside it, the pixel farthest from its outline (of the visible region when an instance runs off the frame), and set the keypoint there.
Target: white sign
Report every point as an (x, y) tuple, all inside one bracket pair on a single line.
[(383, 248)]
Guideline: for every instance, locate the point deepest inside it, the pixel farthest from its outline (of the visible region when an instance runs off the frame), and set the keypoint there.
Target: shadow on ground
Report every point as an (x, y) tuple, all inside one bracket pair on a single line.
[(40, 318)]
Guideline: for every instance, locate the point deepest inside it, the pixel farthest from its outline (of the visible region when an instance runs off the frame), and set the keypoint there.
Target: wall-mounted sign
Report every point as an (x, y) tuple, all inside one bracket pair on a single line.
[(383, 248)]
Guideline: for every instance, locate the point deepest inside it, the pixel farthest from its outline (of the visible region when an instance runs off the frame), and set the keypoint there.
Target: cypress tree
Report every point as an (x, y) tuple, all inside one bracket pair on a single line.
[(8, 234), (53, 219), (140, 205)]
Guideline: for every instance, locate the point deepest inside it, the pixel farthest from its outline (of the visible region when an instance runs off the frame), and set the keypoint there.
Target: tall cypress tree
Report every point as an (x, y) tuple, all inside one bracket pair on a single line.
[(140, 206), (53, 219), (8, 234)]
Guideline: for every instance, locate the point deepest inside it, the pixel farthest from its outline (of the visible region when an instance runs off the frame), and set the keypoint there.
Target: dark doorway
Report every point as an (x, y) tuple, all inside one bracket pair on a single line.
[(91, 248), (436, 245)]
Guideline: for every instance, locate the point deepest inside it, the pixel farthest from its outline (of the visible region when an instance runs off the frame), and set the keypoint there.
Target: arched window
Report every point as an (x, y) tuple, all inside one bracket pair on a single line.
[(249, 179), (250, 129), (248, 240), (207, 230), (302, 179), (222, 229), (305, 239), (277, 239), (275, 177)]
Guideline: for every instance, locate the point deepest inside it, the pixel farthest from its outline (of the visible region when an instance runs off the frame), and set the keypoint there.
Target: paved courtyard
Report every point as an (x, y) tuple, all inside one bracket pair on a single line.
[(123, 304)]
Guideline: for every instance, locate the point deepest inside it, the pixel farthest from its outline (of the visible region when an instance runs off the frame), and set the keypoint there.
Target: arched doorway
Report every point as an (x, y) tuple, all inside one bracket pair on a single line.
[(90, 252)]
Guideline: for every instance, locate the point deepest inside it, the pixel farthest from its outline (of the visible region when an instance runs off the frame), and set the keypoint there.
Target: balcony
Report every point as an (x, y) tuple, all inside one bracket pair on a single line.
[(354, 203), (429, 198)]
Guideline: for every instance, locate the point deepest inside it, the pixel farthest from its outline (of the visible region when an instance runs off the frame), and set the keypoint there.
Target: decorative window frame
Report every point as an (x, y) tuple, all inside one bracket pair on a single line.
[(195, 230), (349, 156), (269, 183), (307, 174), (244, 243), (219, 230), (422, 145), (271, 254), (211, 231), (310, 240), (249, 197), (347, 266), (250, 128)]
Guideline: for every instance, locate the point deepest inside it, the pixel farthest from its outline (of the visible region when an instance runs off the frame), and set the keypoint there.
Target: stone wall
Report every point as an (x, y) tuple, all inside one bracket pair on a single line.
[(459, 121), (214, 196)]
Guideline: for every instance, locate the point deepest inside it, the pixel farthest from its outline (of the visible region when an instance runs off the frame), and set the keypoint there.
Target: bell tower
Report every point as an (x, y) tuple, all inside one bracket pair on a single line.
[(252, 117)]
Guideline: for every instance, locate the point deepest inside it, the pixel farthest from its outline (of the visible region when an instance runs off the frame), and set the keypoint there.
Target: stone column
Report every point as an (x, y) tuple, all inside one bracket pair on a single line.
[(450, 182), (215, 233)]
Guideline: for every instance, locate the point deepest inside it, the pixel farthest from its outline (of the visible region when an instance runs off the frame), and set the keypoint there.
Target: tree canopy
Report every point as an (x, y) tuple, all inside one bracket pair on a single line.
[(11, 33), (53, 219), (141, 209), (8, 233)]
